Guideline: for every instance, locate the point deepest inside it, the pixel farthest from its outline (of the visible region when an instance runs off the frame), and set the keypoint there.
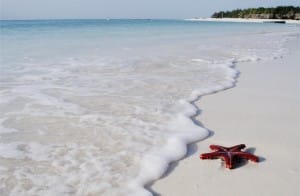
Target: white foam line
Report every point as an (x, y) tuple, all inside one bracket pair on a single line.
[(155, 164)]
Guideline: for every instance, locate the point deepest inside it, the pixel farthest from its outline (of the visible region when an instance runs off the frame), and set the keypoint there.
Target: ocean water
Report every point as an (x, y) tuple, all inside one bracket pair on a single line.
[(100, 107)]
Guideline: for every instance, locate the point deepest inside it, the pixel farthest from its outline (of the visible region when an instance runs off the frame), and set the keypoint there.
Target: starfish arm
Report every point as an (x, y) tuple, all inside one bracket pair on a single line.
[(211, 155), (228, 160), (217, 148), (237, 147), (247, 156)]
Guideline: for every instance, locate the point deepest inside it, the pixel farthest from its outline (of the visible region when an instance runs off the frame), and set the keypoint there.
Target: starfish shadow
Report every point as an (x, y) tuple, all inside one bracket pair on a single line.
[(242, 162), (252, 150)]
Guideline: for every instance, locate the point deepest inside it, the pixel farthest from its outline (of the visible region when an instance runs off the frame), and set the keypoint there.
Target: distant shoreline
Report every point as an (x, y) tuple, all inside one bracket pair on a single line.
[(251, 20)]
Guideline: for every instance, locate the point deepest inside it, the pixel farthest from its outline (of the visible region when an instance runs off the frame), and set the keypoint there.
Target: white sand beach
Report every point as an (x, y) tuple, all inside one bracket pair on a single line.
[(262, 111), (252, 20)]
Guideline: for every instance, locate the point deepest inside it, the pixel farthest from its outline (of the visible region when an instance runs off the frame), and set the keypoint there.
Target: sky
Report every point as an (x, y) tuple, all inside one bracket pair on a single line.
[(81, 9)]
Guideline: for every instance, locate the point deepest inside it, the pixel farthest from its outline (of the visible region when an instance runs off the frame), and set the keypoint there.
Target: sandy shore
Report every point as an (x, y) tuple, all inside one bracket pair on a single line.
[(262, 111), (243, 20)]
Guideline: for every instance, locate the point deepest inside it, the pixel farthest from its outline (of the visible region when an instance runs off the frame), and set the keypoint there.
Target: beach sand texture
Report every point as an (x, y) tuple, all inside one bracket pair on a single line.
[(262, 111)]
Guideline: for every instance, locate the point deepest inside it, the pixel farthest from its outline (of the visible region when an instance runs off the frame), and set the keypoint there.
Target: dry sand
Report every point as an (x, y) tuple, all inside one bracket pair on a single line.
[(262, 111)]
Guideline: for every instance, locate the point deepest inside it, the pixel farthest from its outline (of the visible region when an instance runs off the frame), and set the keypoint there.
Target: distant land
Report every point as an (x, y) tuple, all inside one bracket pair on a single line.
[(280, 12)]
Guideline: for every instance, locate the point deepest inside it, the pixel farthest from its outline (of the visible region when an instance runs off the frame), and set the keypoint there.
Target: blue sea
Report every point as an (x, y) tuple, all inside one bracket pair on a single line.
[(101, 107)]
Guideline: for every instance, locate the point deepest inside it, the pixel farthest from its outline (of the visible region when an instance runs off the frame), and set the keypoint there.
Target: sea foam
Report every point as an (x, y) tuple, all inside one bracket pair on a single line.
[(154, 164)]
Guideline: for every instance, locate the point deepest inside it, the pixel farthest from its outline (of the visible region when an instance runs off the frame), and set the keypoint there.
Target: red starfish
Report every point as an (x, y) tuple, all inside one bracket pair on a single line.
[(229, 155)]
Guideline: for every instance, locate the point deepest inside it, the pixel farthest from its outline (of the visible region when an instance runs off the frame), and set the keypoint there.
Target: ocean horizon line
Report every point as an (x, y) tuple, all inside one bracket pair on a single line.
[(32, 19)]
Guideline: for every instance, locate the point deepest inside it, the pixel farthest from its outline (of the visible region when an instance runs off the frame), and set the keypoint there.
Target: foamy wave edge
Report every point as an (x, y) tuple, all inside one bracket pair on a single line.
[(155, 164)]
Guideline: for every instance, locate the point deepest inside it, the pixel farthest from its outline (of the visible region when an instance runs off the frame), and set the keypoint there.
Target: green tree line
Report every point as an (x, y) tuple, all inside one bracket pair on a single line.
[(280, 12)]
